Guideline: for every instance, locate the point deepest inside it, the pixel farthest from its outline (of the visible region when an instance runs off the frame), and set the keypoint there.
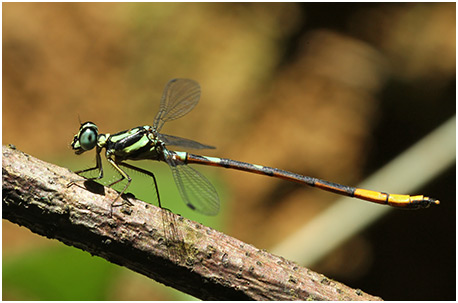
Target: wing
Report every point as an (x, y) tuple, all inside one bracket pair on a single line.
[(179, 98), (182, 142), (195, 190)]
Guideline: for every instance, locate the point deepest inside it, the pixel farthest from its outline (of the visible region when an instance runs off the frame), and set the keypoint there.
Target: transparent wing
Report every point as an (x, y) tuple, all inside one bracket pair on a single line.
[(179, 98), (182, 142), (175, 244), (195, 190)]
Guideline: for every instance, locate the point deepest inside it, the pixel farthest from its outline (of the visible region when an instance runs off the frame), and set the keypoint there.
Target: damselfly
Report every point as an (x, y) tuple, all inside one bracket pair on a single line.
[(145, 142)]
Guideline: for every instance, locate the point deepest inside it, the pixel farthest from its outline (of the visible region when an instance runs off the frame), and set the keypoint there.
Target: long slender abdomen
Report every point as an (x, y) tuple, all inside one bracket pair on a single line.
[(403, 201), (272, 172)]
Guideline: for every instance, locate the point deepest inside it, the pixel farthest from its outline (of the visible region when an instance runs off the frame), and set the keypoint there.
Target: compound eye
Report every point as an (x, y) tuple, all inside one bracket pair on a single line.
[(88, 139)]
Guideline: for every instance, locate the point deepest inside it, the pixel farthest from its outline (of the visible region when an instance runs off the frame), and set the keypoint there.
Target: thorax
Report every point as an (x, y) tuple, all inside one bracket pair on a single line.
[(134, 144)]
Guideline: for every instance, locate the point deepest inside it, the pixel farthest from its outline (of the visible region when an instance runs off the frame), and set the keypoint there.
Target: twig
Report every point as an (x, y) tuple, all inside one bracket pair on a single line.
[(199, 261)]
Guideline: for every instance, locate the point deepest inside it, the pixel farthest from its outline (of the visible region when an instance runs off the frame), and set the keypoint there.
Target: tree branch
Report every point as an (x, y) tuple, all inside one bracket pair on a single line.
[(166, 247)]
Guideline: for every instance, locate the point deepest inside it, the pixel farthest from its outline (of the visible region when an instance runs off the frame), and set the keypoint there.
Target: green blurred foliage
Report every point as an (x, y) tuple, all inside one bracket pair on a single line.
[(58, 273)]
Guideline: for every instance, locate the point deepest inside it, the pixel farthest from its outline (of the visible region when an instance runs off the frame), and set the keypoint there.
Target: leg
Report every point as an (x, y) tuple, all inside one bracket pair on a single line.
[(123, 174), (98, 165), (148, 173)]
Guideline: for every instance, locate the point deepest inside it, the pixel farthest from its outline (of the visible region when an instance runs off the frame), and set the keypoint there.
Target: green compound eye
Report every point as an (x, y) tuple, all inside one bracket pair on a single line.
[(88, 139)]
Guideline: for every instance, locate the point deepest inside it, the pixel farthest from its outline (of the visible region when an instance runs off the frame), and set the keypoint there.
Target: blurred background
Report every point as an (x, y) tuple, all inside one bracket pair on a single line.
[(333, 91)]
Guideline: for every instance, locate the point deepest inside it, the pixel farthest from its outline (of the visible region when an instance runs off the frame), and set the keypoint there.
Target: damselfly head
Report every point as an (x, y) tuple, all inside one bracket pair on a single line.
[(86, 138)]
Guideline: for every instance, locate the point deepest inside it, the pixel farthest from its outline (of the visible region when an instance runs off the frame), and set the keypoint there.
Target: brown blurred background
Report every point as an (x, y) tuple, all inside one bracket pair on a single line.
[(333, 91)]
